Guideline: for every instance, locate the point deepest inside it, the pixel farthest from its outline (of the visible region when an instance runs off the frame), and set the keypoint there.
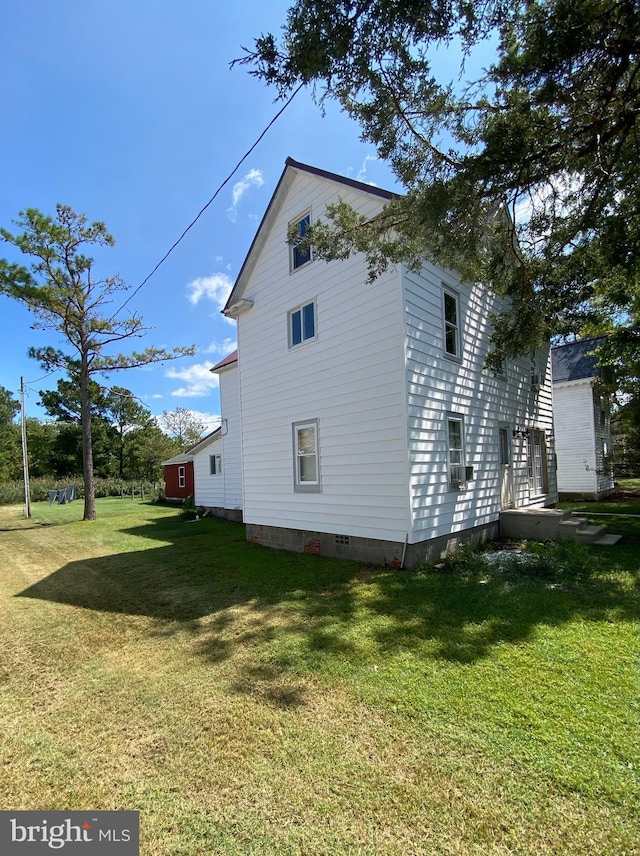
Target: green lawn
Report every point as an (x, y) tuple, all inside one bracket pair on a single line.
[(247, 701)]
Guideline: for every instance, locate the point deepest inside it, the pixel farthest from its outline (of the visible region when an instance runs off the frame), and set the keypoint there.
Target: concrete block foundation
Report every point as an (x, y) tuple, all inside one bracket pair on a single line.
[(370, 551)]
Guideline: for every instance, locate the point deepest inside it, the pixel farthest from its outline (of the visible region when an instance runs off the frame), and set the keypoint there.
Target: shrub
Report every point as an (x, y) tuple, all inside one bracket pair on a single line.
[(12, 492)]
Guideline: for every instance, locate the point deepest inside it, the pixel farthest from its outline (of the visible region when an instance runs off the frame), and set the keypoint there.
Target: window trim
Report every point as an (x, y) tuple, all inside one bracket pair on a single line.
[(182, 476), (456, 483), (300, 486), (300, 308), (457, 327), (297, 221), (215, 465)]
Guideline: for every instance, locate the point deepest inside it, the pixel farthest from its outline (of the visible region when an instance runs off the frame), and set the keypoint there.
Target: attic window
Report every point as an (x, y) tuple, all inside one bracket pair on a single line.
[(300, 255)]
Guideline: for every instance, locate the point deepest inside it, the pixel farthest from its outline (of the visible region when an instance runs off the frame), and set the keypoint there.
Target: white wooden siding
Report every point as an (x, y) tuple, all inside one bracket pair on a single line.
[(350, 378), (231, 436), (438, 385), (209, 490), (575, 424), (602, 434), (223, 490)]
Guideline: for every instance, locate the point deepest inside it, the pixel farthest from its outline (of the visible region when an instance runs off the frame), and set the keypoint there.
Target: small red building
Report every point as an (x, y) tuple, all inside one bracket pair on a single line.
[(178, 476)]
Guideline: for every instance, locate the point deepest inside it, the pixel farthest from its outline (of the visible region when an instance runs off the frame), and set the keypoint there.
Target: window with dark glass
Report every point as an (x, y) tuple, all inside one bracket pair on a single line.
[(301, 253), (451, 324), (302, 324)]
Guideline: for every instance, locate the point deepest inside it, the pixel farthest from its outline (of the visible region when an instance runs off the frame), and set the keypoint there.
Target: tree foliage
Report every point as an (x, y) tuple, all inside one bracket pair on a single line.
[(526, 177), (185, 426), (60, 288), (10, 452)]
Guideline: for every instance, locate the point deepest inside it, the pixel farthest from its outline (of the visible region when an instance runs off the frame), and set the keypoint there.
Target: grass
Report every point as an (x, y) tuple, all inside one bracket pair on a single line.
[(247, 701)]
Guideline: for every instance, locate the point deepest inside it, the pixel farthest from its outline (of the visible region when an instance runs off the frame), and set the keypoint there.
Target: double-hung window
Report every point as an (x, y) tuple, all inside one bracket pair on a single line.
[(455, 449), (302, 324), (215, 465), (306, 462), (300, 253), (452, 339), (182, 479)]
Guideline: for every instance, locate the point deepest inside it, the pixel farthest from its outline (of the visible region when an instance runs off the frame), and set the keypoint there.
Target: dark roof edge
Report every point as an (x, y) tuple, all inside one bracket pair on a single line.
[(349, 182), (579, 342)]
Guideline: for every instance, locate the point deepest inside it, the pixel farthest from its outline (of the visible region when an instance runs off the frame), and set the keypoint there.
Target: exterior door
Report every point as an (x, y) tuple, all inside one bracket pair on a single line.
[(506, 489)]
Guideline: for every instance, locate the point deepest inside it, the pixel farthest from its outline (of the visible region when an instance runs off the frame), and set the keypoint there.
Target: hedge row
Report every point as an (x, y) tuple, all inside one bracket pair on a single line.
[(12, 492)]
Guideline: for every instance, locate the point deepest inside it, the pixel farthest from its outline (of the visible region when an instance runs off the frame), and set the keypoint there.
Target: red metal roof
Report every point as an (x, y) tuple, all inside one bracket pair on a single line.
[(227, 361)]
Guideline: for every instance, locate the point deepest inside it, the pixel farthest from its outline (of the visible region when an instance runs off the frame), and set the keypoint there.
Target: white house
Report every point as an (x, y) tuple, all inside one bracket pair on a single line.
[(370, 426), (582, 416), (217, 466)]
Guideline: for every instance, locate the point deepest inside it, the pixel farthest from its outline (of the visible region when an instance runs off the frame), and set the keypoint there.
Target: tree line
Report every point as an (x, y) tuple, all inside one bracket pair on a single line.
[(129, 443)]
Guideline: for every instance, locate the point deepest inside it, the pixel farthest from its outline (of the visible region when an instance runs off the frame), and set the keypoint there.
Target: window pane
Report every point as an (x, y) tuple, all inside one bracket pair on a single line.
[(450, 310), (302, 254), (308, 321), (296, 328), (451, 344), (307, 468), (455, 434), (306, 440)]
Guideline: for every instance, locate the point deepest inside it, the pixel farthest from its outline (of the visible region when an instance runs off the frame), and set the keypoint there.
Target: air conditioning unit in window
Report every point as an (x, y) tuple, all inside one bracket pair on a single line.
[(458, 480)]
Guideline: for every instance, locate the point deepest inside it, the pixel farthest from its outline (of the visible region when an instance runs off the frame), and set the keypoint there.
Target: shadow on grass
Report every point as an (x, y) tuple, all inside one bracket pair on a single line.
[(295, 613)]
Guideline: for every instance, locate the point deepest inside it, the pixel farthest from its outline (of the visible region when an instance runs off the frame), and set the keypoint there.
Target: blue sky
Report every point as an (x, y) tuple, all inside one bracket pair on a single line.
[(129, 112)]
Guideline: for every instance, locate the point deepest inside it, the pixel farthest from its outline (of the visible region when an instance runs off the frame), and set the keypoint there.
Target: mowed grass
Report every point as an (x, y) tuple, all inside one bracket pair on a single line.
[(248, 701)]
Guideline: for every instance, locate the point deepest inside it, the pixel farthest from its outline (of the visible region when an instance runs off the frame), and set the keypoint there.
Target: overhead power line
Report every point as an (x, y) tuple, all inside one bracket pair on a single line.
[(204, 208)]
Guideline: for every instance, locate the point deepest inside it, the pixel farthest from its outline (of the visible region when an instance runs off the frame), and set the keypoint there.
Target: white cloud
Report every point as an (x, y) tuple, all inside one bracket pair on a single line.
[(252, 179), (199, 380), (216, 288), (227, 346), (211, 421), (362, 174), (155, 395)]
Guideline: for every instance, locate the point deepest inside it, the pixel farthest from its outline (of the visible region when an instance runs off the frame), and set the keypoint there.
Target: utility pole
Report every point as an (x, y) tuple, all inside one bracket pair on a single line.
[(25, 460)]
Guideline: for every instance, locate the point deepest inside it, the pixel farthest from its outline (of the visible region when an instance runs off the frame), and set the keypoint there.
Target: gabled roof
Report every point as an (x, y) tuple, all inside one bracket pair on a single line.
[(227, 361), (182, 458), (576, 360), (185, 457), (285, 181)]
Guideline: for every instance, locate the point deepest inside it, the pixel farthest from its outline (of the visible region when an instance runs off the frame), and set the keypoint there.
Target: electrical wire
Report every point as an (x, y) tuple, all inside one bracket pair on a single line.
[(204, 208)]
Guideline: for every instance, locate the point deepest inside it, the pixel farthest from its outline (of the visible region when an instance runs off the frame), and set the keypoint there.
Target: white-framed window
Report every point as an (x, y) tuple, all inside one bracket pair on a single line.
[(306, 458), (215, 465), (452, 318), (182, 479), (302, 324), (455, 449), (537, 462), (299, 255)]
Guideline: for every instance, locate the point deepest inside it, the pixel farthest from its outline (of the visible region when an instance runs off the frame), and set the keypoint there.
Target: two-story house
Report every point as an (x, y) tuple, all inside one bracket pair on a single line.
[(370, 426)]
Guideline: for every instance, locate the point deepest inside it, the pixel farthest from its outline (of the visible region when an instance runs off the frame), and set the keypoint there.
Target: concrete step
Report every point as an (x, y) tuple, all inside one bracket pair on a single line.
[(607, 540), (587, 534), (540, 524), (568, 529)]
